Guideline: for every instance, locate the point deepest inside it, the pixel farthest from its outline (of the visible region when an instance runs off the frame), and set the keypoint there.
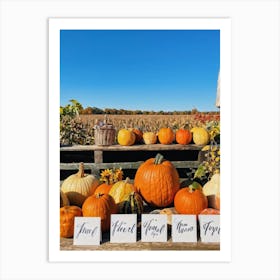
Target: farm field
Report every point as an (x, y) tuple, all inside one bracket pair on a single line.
[(152, 122)]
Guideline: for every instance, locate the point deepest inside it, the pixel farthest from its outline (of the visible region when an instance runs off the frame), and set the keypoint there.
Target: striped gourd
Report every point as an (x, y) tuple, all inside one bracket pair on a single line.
[(132, 204)]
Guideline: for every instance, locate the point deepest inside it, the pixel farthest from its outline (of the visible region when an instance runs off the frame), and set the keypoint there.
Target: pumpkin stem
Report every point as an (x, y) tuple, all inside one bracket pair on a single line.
[(191, 189), (127, 179), (81, 171), (158, 159), (98, 195)]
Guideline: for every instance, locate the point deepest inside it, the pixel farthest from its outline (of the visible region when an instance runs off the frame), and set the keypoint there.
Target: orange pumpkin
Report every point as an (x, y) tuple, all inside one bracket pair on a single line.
[(103, 189), (67, 217), (183, 136), (210, 211), (190, 201), (100, 205), (166, 135), (157, 181)]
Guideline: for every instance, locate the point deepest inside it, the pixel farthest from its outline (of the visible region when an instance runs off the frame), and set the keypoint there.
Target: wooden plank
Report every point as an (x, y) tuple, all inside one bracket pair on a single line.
[(124, 165), (67, 244), (153, 147), (98, 156)]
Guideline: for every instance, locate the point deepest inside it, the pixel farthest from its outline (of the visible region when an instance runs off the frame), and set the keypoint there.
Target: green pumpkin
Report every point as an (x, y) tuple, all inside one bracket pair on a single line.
[(132, 204)]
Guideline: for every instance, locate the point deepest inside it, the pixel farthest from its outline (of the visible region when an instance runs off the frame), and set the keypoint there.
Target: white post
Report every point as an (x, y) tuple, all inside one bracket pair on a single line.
[(218, 92)]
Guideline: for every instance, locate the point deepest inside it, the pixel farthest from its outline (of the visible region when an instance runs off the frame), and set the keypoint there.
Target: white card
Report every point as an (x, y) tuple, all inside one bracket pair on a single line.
[(209, 228), (87, 231), (184, 228), (153, 228), (123, 228)]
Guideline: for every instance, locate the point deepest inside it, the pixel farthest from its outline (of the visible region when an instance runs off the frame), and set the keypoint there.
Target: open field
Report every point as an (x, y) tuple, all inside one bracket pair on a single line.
[(152, 122)]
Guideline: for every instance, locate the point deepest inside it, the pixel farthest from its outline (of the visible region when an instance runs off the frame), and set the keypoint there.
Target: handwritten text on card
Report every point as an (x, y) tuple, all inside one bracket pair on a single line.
[(154, 228), (209, 228), (184, 228), (87, 231), (123, 228)]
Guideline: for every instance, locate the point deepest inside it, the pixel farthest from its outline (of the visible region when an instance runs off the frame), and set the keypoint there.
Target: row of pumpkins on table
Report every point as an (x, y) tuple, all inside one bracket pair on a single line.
[(156, 182), (128, 137)]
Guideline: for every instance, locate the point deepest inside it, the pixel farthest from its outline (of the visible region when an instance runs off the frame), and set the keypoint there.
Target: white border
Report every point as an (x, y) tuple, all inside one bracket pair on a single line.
[(55, 25)]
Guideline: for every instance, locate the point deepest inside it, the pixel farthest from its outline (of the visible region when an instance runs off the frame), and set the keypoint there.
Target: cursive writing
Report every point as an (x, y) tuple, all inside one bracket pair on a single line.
[(120, 226), (209, 228), (153, 229), (86, 231), (182, 227)]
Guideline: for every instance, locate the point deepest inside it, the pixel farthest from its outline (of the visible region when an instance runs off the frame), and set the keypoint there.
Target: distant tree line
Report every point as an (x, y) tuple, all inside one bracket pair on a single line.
[(112, 111)]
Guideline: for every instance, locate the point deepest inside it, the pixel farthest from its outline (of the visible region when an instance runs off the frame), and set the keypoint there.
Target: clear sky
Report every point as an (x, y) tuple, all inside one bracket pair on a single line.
[(140, 69)]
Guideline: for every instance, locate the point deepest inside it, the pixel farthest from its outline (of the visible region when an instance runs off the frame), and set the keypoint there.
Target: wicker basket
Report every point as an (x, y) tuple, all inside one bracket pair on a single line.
[(104, 136)]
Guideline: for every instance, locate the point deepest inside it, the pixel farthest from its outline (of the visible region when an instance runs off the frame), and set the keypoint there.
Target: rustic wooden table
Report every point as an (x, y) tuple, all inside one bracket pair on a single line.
[(67, 244)]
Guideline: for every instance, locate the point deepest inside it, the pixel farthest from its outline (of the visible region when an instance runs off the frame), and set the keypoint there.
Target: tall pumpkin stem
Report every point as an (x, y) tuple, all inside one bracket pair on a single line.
[(158, 159), (81, 172)]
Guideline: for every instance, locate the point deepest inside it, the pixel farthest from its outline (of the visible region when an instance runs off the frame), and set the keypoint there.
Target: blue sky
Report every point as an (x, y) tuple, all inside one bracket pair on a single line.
[(140, 69)]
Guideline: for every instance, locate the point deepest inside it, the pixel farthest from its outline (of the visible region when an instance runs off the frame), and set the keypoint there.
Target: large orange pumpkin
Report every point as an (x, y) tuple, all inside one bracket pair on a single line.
[(190, 201), (183, 136), (157, 181), (166, 135), (100, 205), (67, 217)]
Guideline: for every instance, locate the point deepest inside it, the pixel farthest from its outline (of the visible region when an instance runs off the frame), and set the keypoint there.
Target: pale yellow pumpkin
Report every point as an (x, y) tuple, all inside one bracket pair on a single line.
[(200, 136), (79, 186), (126, 137), (149, 138)]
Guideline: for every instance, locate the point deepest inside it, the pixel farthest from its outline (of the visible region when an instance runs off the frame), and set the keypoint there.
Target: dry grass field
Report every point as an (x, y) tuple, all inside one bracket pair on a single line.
[(151, 122)]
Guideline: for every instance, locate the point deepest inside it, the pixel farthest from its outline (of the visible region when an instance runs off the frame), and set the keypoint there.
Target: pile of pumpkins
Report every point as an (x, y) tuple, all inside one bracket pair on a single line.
[(156, 182), (165, 135)]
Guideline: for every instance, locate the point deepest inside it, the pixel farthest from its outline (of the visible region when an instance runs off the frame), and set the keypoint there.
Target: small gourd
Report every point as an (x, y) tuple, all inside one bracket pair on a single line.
[(132, 204), (149, 138)]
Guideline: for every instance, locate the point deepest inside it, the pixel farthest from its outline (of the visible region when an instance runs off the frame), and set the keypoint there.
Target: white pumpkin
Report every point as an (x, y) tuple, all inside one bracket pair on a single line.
[(212, 191), (79, 186)]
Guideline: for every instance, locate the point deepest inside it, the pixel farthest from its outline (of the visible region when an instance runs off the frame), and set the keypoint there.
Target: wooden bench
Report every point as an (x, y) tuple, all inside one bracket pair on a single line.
[(96, 158)]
